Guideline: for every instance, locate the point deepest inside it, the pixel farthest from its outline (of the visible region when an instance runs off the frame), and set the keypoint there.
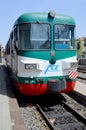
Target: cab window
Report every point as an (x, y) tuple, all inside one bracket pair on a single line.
[(34, 36), (64, 37)]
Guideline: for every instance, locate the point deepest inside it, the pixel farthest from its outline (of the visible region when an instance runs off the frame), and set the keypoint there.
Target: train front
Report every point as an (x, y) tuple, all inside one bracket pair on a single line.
[(46, 54)]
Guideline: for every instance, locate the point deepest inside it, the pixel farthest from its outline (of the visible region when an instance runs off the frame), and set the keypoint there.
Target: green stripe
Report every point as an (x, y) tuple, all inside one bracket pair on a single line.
[(45, 55), (33, 80)]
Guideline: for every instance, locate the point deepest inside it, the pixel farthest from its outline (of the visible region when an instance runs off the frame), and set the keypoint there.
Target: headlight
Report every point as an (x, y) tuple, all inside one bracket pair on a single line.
[(31, 66), (74, 64), (51, 14)]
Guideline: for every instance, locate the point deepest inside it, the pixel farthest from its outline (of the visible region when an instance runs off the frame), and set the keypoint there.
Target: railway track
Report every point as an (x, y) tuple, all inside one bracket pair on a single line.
[(62, 117), (59, 113), (81, 72), (78, 97), (81, 68)]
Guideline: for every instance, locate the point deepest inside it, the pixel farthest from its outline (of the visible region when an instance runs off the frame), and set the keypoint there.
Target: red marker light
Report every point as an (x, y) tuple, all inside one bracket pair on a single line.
[(52, 53)]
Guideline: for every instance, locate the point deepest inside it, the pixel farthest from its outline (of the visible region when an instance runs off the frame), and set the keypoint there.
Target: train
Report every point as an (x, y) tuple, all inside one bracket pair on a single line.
[(41, 53)]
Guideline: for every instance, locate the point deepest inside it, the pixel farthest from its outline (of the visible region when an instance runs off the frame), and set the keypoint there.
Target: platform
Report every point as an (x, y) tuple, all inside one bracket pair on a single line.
[(80, 87), (10, 117)]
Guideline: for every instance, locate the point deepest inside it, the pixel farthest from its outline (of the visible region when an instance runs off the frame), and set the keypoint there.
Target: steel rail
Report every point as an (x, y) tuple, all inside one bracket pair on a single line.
[(75, 113), (80, 97), (45, 117), (68, 108)]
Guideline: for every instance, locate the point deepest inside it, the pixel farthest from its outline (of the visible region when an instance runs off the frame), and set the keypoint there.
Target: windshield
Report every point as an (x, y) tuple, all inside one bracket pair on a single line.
[(64, 37), (34, 36)]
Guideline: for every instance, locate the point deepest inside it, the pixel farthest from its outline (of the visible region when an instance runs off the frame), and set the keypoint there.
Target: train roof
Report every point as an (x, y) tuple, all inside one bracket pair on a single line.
[(44, 17)]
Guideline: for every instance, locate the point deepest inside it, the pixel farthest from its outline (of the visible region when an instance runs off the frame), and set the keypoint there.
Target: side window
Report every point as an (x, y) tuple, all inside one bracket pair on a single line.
[(15, 39), (11, 40), (8, 48)]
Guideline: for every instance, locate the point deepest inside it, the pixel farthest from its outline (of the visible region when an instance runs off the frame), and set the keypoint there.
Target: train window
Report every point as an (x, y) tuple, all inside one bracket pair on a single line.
[(63, 36), (15, 39), (8, 47), (34, 36), (15, 34)]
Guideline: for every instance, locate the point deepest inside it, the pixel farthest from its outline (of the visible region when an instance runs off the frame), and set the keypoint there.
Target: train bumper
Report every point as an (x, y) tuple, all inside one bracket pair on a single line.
[(31, 89), (70, 85), (56, 85), (42, 89)]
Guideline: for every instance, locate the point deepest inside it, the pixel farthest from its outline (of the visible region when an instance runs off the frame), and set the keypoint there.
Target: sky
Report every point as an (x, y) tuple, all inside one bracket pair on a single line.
[(10, 10)]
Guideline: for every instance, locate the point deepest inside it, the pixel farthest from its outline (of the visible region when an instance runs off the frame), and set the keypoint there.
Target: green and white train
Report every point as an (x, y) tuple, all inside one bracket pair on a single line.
[(41, 53)]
